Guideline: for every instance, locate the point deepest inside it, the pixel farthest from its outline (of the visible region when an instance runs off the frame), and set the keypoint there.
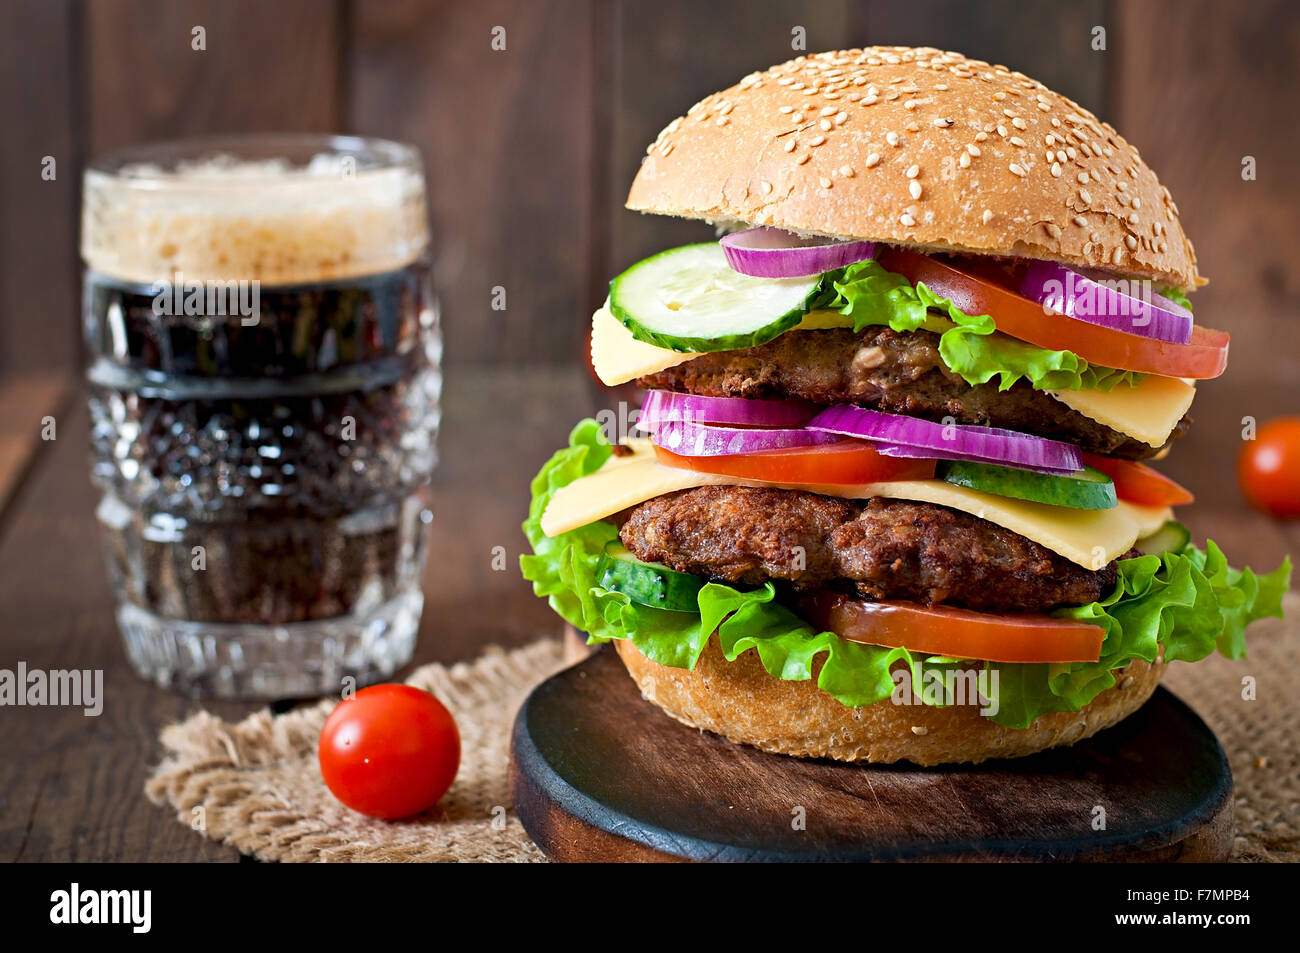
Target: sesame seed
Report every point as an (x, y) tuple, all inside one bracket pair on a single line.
[(1008, 113), (825, 125), (913, 127), (786, 110), (816, 141), (667, 150), (872, 160), (964, 160), (824, 182), (920, 730), (846, 171), (723, 120), (1002, 131), (1133, 218), (906, 219), (1056, 169), (981, 137), (1060, 155), (766, 186), (1086, 196), (1017, 169), (1083, 178), (1137, 202), (973, 149), (1052, 229), (1070, 153), (841, 118), (802, 159), (912, 171), (828, 111), (1080, 221), (999, 96), (987, 216), (914, 187), (1087, 248), (1131, 242), (790, 145), (1017, 141), (1117, 256), (891, 137), (1157, 228), (1019, 123), (1044, 107)]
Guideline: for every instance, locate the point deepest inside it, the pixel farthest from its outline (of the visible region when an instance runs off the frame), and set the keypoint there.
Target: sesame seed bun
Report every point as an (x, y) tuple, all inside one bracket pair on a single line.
[(923, 148), (745, 705)]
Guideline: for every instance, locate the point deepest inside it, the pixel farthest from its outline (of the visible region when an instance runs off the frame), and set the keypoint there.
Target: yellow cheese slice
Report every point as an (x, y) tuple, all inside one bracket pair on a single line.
[(618, 357), (1091, 538), (1148, 412), (1149, 519)]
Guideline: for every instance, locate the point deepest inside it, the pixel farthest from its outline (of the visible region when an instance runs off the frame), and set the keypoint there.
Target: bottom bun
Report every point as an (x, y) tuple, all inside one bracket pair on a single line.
[(745, 705)]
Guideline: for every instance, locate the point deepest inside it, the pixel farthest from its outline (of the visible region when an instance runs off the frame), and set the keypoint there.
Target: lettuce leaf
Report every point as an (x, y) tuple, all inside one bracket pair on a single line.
[(1190, 603), (968, 344), (1176, 295)]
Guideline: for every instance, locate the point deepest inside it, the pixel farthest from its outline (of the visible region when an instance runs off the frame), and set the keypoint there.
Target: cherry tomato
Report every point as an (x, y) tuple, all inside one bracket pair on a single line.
[(978, 290), (1138, 483), (1268, 468), (958, 633), (846, 462), (390, 751)]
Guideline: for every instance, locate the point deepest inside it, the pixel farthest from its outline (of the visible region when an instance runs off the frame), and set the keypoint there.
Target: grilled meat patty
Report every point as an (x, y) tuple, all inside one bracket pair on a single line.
[(891, 371), (880, 549)]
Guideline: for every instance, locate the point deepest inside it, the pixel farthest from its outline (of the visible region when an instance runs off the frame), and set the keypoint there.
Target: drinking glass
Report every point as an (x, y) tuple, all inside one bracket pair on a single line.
[(264, 379)]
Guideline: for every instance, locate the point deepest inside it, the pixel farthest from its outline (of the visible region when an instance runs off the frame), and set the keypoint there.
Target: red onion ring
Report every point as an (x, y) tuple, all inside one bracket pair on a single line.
[(765, 252), (1084, 298)]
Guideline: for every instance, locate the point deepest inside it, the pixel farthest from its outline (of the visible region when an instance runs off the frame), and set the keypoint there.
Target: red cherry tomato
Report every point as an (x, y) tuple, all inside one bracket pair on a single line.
[(1268, 468), (390, 751)]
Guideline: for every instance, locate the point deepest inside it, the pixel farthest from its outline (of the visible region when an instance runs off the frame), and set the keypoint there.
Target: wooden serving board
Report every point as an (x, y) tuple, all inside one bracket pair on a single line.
[(599, 774)]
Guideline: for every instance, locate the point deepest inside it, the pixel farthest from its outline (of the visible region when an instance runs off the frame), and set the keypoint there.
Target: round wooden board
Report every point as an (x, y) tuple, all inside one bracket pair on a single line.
[(599, 774)]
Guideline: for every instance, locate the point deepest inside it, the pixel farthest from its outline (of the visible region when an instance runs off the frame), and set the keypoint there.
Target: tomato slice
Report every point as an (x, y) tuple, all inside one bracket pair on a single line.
[(983, 291), (1138, 483), (957, 633), (849, 461)]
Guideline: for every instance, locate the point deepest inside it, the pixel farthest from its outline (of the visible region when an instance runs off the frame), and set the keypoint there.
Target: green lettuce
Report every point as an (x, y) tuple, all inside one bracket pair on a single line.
[(1176, 295), (1189, 603), (968, 344)]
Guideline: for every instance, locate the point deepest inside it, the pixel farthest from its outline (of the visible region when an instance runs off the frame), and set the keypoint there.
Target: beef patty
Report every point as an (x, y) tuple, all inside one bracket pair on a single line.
[(901, 373), (880, 549)]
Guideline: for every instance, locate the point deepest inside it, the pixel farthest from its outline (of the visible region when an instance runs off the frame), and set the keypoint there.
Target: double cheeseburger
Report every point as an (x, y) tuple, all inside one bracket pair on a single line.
[(892, 503)]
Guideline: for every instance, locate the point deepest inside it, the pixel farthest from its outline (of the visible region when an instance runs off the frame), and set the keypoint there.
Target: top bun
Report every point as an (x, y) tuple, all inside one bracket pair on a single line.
[(918, 147)]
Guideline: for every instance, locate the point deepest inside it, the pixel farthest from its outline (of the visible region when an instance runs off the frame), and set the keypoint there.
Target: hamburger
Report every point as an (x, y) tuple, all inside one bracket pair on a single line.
[(886, 497)]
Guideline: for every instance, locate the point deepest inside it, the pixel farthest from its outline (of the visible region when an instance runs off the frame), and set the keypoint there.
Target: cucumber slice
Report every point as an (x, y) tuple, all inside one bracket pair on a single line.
[(1087, 490), (648, 584), (689, 299), (1173, 537)]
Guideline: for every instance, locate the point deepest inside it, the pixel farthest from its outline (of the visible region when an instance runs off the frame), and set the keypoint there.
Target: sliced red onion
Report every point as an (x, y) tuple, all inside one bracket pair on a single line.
[(661, 405), (1096, 301), (920, 453), (775, 253), (705, 440), (980, 444)]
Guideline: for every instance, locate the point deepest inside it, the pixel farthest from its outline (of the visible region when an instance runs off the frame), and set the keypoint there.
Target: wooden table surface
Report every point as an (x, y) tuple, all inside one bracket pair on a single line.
[(71, 786)]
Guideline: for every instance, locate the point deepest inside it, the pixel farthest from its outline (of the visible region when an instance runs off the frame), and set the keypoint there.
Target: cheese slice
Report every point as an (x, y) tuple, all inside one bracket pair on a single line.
[(1148, 412), (618, 357), (1090, 538), (1149, 519)]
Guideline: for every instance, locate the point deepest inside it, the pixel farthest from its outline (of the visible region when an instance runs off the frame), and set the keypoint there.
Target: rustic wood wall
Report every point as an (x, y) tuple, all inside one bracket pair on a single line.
[(529, 151)]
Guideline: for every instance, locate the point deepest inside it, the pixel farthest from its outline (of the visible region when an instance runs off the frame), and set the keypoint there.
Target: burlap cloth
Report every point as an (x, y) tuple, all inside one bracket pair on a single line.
[(260, 790)]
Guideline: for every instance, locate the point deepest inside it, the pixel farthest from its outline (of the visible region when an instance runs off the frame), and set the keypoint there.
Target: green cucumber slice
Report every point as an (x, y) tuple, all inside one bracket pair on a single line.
[(689, 299), (648, 584), (1087, 490), (1173, 537)]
